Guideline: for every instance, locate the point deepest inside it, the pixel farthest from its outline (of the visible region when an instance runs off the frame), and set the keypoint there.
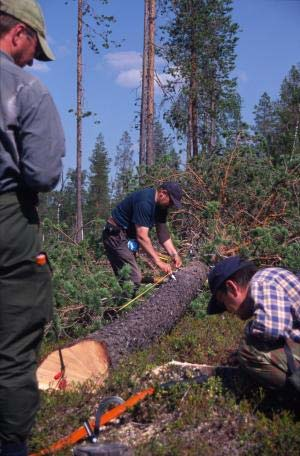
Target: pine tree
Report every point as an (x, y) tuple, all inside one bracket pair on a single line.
[(98, 200), (124, 163), (289, 114), (199, 46), (277, 123), (66, 212), (163, 146), (266, 120)]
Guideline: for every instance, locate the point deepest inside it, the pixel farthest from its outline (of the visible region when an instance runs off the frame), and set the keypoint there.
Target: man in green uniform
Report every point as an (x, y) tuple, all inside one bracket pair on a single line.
[(31, 148)]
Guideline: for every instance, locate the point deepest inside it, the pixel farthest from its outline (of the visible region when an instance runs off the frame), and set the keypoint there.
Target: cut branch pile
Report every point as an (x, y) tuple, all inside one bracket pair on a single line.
[(241, 204), (91, 357)]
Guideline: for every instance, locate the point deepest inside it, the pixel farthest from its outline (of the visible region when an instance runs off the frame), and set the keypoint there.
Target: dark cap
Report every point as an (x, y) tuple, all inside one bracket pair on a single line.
[(174, 191), (217, 276), (29, 12)]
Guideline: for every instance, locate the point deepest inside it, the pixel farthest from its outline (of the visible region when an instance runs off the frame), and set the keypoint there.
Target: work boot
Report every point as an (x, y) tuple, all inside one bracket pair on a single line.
[(13, 449)]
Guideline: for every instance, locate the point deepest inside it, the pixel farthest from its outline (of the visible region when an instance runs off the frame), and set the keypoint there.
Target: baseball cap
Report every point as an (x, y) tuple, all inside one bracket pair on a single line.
[(29, 12), (174, 191), (217, 276)]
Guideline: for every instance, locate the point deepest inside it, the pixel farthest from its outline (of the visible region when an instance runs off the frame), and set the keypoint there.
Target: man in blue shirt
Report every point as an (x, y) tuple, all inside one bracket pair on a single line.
[(270, 350), (132, 219), (31, 150)]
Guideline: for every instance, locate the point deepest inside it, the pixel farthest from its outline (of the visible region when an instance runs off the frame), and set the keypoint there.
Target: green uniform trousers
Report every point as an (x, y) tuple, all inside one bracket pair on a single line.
[(267, 362), (25, 308)]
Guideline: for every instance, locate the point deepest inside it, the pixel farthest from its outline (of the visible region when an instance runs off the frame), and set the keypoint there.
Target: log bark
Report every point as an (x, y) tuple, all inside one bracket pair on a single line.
[(92, 356)]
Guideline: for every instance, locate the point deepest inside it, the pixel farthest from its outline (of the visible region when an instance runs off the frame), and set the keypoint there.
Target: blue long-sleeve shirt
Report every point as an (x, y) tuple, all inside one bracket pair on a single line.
[(32, 141)]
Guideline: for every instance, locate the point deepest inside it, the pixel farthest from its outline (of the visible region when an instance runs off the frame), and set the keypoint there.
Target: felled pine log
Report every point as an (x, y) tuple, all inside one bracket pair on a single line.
[(91, 357)]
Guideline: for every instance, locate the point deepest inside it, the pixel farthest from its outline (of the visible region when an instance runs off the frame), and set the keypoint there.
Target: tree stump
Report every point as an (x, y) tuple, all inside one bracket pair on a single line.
[(91, 357)]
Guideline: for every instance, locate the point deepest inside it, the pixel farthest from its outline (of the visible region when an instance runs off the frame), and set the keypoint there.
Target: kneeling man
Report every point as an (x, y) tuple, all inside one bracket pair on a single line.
[(270, 350)]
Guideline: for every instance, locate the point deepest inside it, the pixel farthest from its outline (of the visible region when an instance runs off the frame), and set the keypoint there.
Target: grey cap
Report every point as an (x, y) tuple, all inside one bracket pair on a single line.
[(30, 13)]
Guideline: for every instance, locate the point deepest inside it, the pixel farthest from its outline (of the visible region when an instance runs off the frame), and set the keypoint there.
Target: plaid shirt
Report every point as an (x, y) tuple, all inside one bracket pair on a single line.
[(276, 296)]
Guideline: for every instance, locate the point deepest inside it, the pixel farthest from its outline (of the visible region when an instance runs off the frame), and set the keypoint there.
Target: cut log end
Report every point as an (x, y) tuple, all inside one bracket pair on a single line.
[(86, 360)]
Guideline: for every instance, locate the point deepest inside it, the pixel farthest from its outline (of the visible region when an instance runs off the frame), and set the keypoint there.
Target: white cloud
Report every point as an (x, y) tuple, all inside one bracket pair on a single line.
[(128, 66), (242, 76), (40, 67), (130, 78), (128, 59), (124, 60)]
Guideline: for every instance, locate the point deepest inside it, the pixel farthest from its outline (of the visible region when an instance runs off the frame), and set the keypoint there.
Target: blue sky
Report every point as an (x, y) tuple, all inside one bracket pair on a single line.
[(269, 45)]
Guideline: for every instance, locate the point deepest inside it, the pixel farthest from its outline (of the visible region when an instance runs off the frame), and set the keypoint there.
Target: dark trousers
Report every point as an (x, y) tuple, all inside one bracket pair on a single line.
[(25, 308), (115, 242)]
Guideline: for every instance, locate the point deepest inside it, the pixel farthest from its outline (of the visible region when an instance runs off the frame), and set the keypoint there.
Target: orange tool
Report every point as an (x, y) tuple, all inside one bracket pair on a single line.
[(81, 433)]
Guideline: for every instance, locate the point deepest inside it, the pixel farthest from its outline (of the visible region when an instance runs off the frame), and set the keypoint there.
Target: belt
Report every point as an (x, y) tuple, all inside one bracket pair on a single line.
[(21, 196), (112, 228)]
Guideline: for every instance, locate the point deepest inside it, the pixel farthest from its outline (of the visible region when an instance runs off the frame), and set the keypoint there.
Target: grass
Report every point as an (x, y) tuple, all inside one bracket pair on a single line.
[(187, 419)]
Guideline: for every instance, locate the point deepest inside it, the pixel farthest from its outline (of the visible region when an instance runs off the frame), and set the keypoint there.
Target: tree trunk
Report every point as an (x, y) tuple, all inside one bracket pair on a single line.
[(213, 128), (144, 109), (150, 159), (79, 221), (189, 132), (92, 356), (296, 137), (194, 103)]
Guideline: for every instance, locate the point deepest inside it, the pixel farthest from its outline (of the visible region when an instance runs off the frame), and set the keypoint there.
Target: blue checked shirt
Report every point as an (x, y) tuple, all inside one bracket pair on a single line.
[(276, 296)]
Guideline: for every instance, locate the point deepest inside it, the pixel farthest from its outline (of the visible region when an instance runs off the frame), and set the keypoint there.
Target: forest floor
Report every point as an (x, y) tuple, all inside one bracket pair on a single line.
[(219, 417)]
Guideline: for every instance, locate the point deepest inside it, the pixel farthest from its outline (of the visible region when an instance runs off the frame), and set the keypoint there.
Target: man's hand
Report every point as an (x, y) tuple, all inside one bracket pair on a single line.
[(176, 260), (146, 244), (165, 267)]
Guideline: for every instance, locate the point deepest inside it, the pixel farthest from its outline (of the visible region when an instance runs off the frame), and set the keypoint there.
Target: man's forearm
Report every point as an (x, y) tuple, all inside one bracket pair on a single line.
[(170, 248), (163, 234), (146, 244)]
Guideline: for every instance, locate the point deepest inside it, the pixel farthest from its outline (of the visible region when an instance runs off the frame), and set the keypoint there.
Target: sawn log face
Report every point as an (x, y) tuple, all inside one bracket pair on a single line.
[(155, 317)]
